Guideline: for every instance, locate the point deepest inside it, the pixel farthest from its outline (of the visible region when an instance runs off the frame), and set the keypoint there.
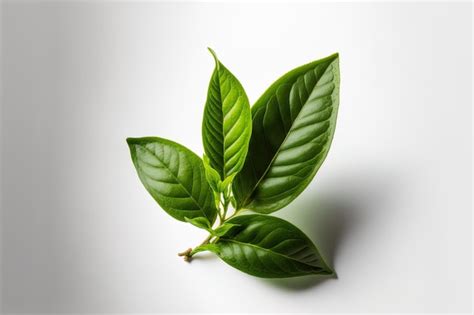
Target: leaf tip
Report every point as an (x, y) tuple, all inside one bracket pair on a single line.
[(131, 141), (330, 272), (214, 55)]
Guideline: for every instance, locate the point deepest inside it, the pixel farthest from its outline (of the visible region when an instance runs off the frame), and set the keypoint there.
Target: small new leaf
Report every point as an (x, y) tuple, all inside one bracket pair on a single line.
[(226, 182), (205, 247), (200, 222), (214, 179), (212, 176)]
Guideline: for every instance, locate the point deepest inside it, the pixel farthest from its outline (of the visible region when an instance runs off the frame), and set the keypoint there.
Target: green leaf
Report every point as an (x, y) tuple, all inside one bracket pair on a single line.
[(174, 176), (269, 247), (227, 126), (200, 222), (293, 126), (223, 229), (226, 182), (204, 247), (233, 202), (212, 175)]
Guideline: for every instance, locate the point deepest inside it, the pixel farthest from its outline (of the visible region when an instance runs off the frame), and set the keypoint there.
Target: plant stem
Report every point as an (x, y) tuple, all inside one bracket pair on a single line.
[(187, 254), (226, 206), (222, 212)]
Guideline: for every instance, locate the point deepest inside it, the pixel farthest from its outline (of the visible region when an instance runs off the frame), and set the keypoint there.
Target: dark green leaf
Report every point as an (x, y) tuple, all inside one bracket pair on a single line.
[(174, 176), (226, 127), (293, 126), (269, 247)]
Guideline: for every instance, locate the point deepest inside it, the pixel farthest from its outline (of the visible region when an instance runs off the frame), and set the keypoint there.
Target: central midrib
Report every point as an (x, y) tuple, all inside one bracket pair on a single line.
[(269, 251), (222, 124), (286, 137), (178, 181)]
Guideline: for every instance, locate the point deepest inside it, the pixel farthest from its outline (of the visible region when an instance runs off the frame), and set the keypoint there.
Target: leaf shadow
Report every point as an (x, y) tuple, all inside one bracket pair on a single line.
[(349, 203)]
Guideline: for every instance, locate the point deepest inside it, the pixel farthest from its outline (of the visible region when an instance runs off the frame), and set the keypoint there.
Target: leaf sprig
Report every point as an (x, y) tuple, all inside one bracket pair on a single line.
[(257, 159)]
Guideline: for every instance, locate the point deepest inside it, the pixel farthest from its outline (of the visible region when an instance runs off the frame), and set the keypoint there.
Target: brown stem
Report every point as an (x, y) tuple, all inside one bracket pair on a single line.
[(187, 254)]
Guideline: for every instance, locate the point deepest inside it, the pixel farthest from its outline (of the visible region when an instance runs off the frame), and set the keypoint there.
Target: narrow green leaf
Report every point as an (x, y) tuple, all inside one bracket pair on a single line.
[(200, 222), (174, 176), (293, 126), (227, 126), (212, 175), (269, 247), (226, 182), (233, 202)]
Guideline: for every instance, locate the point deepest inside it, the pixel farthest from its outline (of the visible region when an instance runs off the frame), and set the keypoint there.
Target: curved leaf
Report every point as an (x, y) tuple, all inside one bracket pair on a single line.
[(212, 175), (174, 176), (269, 247), (226, 127), (200, 222), (293, 126)]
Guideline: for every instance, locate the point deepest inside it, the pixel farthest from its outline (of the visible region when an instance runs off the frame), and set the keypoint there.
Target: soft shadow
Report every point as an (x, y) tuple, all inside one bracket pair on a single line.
[(298, 283), (348, 203)]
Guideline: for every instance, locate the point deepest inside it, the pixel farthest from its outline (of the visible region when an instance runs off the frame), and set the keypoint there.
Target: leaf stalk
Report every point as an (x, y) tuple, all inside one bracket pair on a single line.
[(224, 203)]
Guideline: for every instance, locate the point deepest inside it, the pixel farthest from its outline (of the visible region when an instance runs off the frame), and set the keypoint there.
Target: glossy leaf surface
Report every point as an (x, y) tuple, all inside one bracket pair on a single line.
[(226, 127), (174, 176), (269, 247), (293, 126)]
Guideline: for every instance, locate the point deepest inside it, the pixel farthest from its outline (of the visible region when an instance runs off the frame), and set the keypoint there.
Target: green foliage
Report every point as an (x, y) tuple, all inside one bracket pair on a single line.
[(257, 159), (293, 125), (174, 177), (226, 126), (269, 247), (200, 222)]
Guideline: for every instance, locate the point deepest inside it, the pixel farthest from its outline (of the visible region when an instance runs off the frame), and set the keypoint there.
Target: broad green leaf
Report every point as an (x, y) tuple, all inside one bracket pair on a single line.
[(269, 247), (174, 176), (227, 123), (293, 126), (223, 229), (200, 222)]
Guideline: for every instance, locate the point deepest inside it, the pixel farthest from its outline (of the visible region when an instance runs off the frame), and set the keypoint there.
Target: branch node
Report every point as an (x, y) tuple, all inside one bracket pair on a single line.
[(186, 255)]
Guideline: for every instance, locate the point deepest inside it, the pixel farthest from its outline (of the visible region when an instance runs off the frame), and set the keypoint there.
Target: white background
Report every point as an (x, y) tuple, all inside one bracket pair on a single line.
[(390, 208)]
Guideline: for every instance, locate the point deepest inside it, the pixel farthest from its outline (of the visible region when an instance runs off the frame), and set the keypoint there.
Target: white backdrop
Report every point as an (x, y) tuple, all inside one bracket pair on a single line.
[(390, 208)]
